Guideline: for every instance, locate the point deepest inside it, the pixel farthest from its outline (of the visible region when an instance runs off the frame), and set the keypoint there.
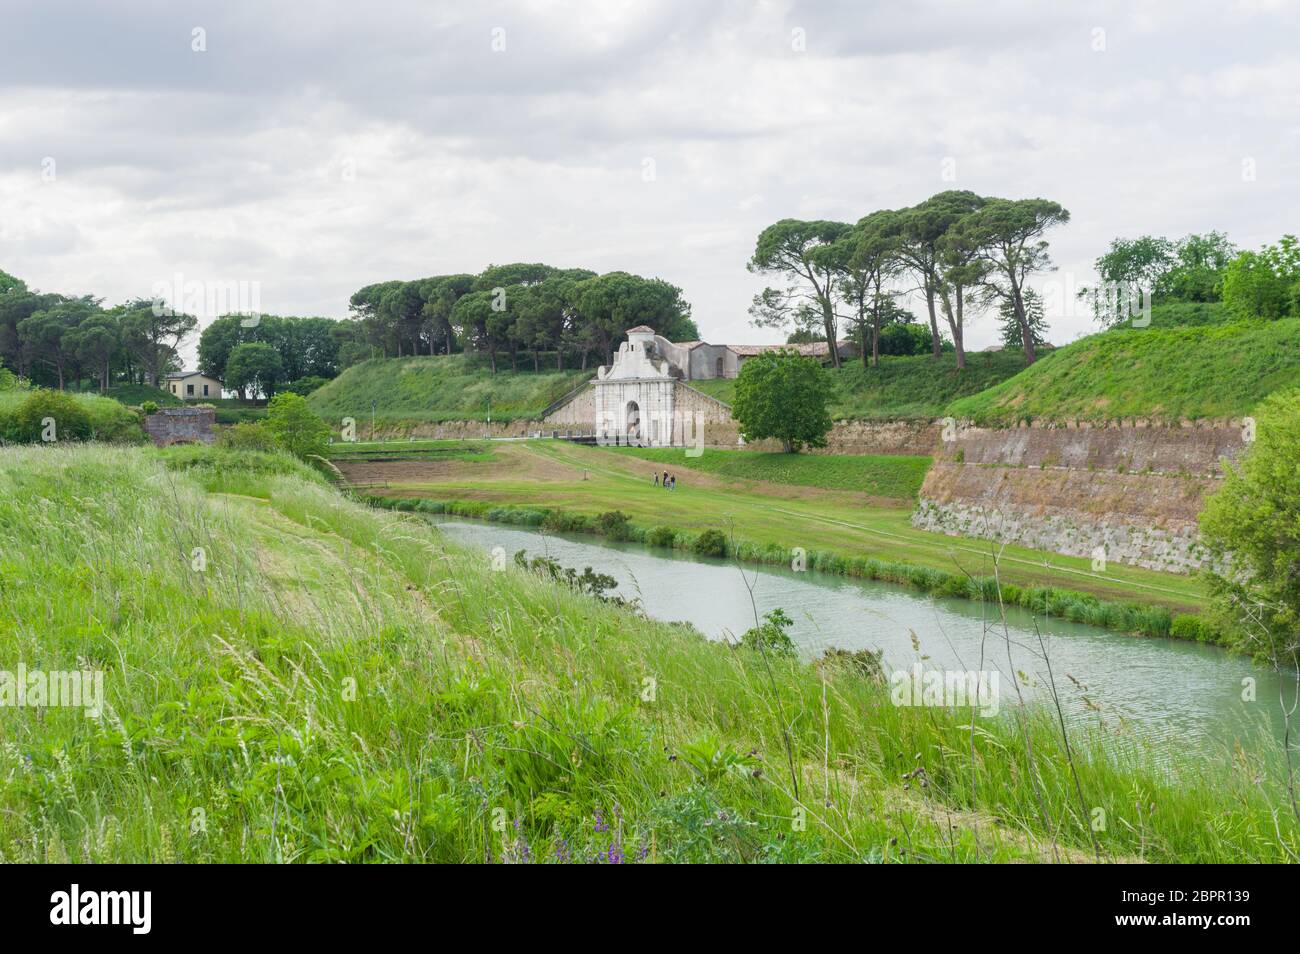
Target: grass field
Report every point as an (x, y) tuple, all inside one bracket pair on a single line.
[(434, 389), (879, 475), (334, 683), (469, 451), (1209, 371), (592, 480)]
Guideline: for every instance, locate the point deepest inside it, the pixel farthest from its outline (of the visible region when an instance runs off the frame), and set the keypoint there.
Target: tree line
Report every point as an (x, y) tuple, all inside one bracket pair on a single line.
[(956, 250), (70, 342), (56, 340), (519, 310), (1199, 268)]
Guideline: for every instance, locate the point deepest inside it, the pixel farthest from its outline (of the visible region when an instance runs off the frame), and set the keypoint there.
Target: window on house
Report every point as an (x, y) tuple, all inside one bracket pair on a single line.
[(189, 390), (205, 390)]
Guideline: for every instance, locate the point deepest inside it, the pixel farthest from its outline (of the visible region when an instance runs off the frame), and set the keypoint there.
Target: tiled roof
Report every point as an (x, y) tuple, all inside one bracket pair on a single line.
[(641, 329)]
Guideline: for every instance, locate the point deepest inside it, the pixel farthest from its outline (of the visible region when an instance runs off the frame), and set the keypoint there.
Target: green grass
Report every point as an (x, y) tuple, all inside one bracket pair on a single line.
[(1186, 314), (902, 387), (835, 522), (342, 684), (1211, 371), (440, 389), (137, 394), (466, 451), (879, 475)]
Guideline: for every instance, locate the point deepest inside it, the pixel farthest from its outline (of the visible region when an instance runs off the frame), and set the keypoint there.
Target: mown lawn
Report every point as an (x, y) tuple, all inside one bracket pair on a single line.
[(600, 479), (880, 475)]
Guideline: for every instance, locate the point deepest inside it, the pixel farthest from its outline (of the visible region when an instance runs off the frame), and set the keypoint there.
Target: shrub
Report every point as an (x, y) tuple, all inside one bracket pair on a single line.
[(68, 419), (249, 436), (613, 524), (865, 662), (149, 407), (710, 543), (296, 427), (771, 636)]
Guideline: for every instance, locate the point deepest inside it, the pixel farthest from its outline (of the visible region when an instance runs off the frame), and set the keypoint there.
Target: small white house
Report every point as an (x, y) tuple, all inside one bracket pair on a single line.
[(193, 386)]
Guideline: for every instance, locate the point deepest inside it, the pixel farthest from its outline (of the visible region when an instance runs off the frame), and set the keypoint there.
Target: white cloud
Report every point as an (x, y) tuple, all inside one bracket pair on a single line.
[(315, 148)]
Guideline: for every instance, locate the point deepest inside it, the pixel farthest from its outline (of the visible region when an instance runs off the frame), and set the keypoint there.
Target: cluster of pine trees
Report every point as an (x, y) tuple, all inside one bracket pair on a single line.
[(522, 310)]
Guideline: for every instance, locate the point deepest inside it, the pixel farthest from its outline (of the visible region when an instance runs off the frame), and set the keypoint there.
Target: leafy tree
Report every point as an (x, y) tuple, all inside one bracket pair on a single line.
[(48, 335), (254, 368), (1009, 234), (1011, 333), (770, 636), (616, 301), (1197, 274), (1264, 284), (440, 296), (960, 263), (1253, 521), (1191, 269), (472, 316), (295, 426), (1138, 263), (791, 248), (875, 261), (95, 342), (153, 333), (782, 395)]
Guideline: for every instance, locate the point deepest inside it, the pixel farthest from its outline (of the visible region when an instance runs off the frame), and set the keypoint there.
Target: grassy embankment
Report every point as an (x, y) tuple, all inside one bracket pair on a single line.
[(901, 388), (1209, 371), (408, 391), (338, 683), (856, 531)]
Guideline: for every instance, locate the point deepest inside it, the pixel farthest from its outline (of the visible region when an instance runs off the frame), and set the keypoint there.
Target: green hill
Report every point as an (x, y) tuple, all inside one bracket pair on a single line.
[(440, 388), (902, 387), (1217, 370)]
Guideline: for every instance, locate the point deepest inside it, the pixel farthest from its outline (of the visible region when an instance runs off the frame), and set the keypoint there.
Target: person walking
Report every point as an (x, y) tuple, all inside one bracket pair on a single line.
[(665, 480), (656, 478)]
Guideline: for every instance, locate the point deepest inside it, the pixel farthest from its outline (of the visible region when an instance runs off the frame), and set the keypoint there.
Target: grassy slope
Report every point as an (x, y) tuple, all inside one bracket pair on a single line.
[(342, 684), (1211, 371), (879, 475), (836, 522), (440, 389), (913, 387)]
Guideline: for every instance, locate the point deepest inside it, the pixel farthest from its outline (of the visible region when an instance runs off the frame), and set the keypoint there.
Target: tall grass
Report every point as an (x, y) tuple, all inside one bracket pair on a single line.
[(341, 684)]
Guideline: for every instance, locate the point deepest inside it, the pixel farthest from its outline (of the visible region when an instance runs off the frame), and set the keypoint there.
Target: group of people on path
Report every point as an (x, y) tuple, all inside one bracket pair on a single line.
[(669, 480)]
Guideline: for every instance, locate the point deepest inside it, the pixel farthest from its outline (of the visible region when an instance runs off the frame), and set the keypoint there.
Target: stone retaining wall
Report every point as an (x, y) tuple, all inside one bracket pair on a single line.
[(1126, 492), (181, 425), (1192, 447)]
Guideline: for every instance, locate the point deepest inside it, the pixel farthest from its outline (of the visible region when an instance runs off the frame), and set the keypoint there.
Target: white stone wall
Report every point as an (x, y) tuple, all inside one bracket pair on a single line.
[(653, 398)]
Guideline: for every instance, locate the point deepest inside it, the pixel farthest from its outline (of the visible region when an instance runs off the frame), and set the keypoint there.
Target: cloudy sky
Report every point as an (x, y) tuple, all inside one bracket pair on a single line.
[(313, 148)]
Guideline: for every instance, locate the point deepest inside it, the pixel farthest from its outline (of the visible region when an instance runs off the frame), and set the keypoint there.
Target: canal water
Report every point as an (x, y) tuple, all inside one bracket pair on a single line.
[(1163, 691)]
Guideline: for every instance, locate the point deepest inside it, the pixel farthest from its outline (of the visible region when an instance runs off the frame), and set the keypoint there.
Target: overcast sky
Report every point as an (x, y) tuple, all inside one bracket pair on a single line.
[(317, 147)]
